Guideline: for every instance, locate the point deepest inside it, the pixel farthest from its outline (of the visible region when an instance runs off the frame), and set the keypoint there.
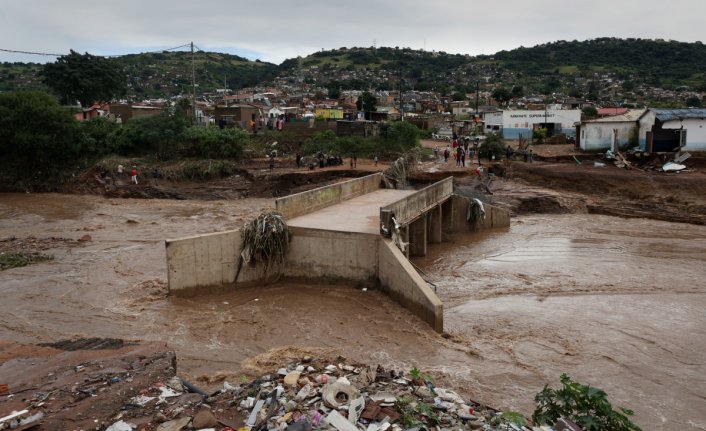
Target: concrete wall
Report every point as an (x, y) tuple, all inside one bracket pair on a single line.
[(494, 216), (204, 261), (414, 205), (315, 253), (313, 200), (403, 284), (599, 135), (695, 132)]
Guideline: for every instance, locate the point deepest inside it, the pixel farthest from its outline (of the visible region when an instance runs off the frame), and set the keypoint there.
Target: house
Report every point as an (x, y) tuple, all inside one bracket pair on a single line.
[(329, 113), (609, 132), (93, 111), (236, 115), (514, 123), (460, 108), (666, 130), (126, 112), (390, 113)]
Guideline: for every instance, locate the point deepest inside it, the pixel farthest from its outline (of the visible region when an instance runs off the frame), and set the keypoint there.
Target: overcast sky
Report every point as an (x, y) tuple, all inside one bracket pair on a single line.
[(275, 30)]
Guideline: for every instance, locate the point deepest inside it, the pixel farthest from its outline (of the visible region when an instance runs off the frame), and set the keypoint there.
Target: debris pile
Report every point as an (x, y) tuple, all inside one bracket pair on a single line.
[(313, 395), (306, 395)]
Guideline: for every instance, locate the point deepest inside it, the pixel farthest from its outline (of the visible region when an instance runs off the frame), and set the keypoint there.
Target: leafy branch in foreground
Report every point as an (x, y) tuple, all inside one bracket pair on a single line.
[(588, 407)]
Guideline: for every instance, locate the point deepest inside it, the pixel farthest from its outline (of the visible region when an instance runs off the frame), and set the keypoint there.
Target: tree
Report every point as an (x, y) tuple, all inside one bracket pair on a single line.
[(367, 102), (159, 135), (36, 132), (399, 136), (458, 96), (84, 78), (517, 91), (693, 102), (501, 95), (589, 112), (334, 91)]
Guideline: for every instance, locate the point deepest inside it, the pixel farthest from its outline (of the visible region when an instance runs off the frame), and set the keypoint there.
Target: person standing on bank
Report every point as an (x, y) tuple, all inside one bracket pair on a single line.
[(134, 174)]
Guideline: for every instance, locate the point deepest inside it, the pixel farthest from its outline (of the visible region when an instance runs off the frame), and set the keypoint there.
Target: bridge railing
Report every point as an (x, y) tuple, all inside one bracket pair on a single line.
[(410, 207), (313, 200)]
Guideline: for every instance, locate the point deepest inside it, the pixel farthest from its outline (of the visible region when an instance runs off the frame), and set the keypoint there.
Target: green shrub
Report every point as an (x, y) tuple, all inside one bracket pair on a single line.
[(494, 143), (399, 136), (587, 406), (213, 142), (17, 259), (539, 136), (95, 135), (159, 135), (36, 134)]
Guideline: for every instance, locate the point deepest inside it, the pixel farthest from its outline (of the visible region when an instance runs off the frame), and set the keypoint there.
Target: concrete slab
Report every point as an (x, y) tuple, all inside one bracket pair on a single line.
[(360, 215)]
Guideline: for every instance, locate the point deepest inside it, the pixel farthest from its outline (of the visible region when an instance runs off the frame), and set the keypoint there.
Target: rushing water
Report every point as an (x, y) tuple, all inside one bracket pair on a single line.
[(612, 302)]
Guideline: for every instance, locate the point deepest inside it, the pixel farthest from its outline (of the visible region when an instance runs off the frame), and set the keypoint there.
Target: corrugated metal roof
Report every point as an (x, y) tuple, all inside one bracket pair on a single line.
[(628, 117), (679, 114), (612, 111)]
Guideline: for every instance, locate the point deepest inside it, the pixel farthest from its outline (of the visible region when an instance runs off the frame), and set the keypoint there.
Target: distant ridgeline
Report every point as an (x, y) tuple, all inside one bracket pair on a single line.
[(548, 67), (668, 61)]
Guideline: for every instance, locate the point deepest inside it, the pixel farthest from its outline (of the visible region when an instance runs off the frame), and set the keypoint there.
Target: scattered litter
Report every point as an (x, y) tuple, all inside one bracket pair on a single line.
[(599, 164), (681, 158), (672, 167), (168, 392), (299, 396), (120, 426), (13, 415), (141, 400)]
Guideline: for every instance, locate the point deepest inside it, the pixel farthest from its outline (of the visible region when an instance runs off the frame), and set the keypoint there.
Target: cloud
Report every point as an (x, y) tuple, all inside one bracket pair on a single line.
[(276, 30)]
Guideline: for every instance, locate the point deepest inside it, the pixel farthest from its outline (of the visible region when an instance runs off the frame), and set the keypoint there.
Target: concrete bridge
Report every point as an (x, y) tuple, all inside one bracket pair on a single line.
[(351, 231)]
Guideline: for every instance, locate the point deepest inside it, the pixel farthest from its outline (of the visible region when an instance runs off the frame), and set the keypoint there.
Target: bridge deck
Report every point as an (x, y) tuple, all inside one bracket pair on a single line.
[(360, 215)]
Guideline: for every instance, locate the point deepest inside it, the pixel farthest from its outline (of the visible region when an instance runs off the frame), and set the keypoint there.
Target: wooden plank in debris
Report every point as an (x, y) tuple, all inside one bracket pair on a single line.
[(13, 415), (682, 157)]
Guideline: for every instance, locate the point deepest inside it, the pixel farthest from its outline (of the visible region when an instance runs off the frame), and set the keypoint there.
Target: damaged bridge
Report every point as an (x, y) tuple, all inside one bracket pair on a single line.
[(351, 231)]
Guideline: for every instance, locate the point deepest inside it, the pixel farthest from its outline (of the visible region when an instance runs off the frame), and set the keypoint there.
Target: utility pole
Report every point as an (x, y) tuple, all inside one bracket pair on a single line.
[(477, 91), (401, 99), (193, 81)]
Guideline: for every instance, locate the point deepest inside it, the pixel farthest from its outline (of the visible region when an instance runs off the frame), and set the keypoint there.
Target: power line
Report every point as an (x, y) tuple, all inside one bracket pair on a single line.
[(48, 54), (186, 45), (32, 53)]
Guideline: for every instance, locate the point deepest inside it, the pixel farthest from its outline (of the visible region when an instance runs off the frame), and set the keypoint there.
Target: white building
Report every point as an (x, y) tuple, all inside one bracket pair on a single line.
[(665, 130), (604, 133), (514, 123)]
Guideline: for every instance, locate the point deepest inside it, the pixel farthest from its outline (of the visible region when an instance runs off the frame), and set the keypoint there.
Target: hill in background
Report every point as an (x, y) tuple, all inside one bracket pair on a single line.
[(568, 68)]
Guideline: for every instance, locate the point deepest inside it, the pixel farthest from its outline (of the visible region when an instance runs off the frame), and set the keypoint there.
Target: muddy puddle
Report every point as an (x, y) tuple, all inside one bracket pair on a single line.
[(615, 303)]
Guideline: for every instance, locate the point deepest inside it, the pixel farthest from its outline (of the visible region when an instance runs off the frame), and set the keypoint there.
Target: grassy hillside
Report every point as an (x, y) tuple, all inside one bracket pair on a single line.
[(169, 73), (160, 74), (656, 61)]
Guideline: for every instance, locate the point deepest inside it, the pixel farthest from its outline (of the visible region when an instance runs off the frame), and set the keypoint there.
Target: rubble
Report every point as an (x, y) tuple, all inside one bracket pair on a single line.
[(311, 395)]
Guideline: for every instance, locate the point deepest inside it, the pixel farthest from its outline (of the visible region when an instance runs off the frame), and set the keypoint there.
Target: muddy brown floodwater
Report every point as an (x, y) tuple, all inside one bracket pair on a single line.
[(617, 303)]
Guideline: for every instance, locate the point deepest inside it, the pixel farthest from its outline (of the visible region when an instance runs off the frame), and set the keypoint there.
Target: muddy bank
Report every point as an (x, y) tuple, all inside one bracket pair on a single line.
[(83, 387), (528, 188), (251, 178)]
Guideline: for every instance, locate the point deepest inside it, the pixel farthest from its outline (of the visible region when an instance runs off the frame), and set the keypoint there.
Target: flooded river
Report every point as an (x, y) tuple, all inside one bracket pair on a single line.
[(612, 302)]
